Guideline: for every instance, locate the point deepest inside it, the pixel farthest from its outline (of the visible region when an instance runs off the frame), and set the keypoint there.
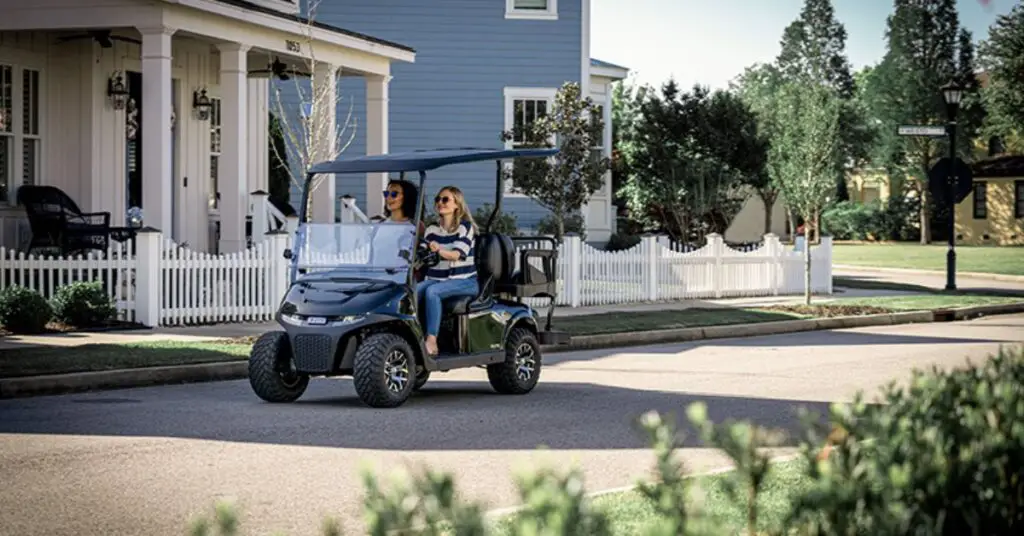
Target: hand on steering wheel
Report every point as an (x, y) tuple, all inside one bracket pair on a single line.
[(427, 258)]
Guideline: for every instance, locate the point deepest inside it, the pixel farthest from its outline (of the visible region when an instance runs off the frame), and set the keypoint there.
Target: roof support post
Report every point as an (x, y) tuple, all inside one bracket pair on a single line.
[(156, 128), (233, 176), (376, 138)]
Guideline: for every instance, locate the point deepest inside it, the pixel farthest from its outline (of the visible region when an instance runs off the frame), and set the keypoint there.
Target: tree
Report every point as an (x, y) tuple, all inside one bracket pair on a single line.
[(802, 156), (561, 184), (688, 156), (304, 110), (627, 98), (1002, 58), (814, 48), (757, 87), (926, 48)]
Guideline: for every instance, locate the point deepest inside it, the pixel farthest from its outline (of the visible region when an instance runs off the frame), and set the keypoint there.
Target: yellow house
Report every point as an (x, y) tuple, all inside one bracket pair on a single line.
[(993, 213), (867, 186)]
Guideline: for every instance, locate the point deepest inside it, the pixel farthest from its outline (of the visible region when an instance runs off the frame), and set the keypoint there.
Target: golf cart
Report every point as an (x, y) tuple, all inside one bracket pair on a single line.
[(351, 306)]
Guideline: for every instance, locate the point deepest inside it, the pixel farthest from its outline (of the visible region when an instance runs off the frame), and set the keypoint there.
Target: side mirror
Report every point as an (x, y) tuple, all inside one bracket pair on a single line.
[(405, 254), (287, 254)]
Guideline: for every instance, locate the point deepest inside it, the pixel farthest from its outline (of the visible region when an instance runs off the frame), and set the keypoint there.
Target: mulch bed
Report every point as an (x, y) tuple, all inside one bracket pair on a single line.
[(829, 311), (53, 328)]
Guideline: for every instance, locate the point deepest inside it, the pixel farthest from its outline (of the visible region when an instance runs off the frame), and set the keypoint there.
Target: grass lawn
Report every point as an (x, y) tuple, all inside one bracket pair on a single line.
[(629, 512), (30, 361), (1006, 260)]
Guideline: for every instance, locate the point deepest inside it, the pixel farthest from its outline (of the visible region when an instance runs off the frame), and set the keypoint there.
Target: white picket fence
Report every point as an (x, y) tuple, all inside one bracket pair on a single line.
[(166, 284)]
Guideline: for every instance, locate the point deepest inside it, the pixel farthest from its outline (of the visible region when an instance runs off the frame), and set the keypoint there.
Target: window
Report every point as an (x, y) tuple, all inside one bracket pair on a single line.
[(597, 150), (214, 151), (522, 107), (20, 132), (531, 9), (1018, 199), (980, 199)]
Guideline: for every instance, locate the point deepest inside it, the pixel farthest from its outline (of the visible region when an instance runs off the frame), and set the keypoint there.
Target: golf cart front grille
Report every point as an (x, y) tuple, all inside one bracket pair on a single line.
[(313, 353)]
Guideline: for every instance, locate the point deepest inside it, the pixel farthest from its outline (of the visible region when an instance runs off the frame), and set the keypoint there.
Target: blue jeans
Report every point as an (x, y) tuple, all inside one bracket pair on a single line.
[(431, 291)]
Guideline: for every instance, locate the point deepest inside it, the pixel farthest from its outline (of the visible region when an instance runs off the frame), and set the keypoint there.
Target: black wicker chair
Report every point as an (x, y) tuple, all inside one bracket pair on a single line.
[(56, 222)]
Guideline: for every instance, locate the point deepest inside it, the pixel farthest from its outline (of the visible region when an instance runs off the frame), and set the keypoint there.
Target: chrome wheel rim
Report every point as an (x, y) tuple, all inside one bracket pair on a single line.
[(396, 371), (526, 362)]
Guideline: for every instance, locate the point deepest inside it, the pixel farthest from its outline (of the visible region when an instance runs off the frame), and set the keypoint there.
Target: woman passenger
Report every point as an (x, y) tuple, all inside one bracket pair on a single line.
[(454, 238)]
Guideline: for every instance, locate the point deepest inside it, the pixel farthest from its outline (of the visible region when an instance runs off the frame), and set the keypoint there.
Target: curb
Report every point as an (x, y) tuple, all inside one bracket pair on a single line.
[(969, 275), (54, 384)]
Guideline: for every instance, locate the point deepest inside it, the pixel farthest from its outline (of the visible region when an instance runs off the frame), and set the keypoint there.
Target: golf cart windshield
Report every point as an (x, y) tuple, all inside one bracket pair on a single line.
[(378, 250)]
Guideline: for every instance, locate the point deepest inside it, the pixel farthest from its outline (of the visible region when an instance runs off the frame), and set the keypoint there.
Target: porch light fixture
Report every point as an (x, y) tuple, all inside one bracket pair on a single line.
[(202, 104), (117, 91)]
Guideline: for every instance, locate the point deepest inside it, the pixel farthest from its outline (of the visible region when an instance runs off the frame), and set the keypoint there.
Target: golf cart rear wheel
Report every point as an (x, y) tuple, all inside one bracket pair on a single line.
[(383, 370), (519, 373), (270, 372), (421, 378)]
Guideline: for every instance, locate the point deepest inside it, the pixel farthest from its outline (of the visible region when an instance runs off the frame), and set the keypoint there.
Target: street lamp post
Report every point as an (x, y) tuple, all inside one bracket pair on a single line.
[(952, 93)]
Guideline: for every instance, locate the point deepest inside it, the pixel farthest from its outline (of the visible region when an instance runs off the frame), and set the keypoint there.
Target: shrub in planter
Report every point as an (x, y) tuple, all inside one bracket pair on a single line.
[(621, 241), (83, 304), (23, 310), (573, 223)]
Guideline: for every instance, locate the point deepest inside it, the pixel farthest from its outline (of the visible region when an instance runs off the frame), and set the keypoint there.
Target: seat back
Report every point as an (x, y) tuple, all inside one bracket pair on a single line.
[(494, 262)]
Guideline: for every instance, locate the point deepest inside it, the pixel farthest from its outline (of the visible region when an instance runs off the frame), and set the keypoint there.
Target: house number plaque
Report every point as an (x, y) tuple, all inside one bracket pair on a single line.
[(292, 46)]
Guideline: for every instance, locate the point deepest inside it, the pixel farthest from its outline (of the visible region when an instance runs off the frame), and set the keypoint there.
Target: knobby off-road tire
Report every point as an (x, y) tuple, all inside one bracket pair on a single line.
[(271, 349), (380, 360), (421, 378), (520, 371)]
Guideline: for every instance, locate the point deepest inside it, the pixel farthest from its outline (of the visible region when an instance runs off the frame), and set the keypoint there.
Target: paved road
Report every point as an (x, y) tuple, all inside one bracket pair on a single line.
[(141, 461), (934, 281)]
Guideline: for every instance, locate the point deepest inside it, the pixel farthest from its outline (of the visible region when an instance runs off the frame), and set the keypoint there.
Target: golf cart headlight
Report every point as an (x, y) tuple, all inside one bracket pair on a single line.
[(347, 320), (294, 320)]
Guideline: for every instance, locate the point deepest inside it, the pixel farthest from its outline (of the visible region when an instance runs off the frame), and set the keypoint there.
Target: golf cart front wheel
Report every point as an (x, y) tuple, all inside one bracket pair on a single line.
[(383, 370), (270, 371), (519, 373), (421, 378)]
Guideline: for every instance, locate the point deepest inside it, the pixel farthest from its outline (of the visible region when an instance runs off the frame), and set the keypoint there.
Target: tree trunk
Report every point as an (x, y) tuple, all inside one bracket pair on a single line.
[(792, 225), (925, 213), (817, 226), (807, 267), (560, 228), (768, 198)]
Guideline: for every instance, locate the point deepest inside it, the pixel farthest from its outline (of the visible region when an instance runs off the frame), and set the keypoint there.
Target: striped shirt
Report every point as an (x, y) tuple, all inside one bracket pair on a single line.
[(461, 240)]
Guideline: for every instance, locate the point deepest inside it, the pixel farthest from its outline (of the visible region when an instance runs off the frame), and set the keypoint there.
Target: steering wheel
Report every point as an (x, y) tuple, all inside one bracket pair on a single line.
[(424, 257)]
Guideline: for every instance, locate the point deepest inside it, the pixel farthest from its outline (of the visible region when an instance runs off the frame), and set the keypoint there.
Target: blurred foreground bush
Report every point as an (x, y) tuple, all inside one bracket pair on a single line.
[(943, 456)]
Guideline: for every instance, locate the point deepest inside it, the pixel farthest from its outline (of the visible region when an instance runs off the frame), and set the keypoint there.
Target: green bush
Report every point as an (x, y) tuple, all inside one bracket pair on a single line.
[(944, 456), (83, 304), (573, 224), (620, 241), (505, 223), (897, 219), (23, 310)]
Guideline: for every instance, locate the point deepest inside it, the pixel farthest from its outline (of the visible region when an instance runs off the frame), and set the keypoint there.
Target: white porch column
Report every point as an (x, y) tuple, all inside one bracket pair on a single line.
[(259, 122), (324, 138), (234, 115), (156, 128), (376, 140)]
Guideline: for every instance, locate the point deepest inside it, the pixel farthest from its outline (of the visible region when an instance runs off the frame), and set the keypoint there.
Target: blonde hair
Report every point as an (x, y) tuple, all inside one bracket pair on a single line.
[(461, 208)]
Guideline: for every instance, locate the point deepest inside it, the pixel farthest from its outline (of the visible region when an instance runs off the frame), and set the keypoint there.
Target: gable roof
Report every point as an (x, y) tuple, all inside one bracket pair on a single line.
[(245, 4), (608, 70)]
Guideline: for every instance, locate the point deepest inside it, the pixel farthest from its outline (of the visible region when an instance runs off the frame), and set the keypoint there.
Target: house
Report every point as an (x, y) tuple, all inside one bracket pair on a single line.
[(480, 66), (993, 213), (152, 104)]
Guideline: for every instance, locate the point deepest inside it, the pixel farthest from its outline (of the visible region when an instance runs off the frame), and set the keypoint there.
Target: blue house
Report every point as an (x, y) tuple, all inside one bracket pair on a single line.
[(480, 65)]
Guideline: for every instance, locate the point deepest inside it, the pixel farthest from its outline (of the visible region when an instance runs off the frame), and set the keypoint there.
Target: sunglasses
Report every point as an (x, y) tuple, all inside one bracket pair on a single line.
[(442, 199), (391, 193)]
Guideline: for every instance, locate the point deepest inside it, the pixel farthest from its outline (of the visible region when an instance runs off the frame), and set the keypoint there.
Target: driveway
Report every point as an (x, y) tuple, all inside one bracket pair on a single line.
[(141, 461)]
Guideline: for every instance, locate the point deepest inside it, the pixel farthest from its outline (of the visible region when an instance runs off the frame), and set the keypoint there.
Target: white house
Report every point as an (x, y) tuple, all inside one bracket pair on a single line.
[(154, 103)]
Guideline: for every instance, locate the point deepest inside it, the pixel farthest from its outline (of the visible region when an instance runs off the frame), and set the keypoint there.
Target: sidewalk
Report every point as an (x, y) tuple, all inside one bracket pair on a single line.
[(221, 331)]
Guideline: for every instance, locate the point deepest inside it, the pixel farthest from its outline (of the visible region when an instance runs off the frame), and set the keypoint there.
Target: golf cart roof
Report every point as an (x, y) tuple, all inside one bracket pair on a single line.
[(422, 160)]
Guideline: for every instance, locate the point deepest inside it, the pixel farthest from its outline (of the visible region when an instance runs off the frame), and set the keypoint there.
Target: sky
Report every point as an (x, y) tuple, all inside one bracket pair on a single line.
[(710, 42)]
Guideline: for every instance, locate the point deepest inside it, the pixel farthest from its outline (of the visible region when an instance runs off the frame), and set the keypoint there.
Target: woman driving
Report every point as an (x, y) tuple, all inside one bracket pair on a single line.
[(453, 238)]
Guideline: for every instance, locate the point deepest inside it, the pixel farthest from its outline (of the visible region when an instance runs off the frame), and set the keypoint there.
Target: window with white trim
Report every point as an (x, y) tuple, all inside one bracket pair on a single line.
[(522, 107), (20, 129), (531, 9), (214, 152)]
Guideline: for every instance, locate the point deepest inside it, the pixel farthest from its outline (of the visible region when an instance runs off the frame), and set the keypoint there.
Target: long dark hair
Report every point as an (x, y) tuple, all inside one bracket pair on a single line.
[(410, 194)]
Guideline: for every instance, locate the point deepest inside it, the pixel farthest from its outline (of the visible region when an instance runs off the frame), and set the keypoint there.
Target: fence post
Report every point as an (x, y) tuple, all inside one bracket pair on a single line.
[(258, 207), (148, 276), (715, 243), (573, 251), (277, 280), (773, 250), (649, 253), (826, 259)]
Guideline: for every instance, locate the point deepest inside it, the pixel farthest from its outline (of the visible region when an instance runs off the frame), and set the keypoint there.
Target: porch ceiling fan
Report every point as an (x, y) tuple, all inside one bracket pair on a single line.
[(279, 69), (104, 37)]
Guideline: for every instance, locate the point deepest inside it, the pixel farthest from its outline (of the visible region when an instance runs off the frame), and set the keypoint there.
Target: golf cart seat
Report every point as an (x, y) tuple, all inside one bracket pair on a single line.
[(493, 261)]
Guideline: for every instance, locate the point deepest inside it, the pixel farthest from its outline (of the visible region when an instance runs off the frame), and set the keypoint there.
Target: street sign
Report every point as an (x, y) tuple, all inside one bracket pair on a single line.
[(934, 131), (938, 177)]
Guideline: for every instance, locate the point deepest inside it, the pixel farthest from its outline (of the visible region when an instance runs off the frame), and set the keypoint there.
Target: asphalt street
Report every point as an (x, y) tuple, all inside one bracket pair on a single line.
[(142, 461)]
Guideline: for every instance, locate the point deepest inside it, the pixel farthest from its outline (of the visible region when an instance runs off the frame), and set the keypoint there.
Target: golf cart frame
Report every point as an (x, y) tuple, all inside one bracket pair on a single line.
[(349, 336)]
